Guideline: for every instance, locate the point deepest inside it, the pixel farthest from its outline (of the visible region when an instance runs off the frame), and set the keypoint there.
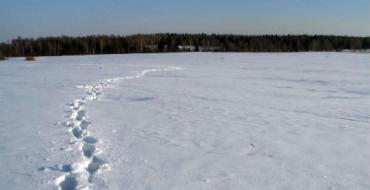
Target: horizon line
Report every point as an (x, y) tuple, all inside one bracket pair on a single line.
[(185, 33)]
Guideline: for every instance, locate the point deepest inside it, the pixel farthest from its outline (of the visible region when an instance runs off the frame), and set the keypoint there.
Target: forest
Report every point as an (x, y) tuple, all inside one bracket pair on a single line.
[(169, 42)]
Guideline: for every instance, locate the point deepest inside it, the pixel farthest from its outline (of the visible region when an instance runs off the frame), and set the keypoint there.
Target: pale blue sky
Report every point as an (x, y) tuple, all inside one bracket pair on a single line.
[(34, 18)]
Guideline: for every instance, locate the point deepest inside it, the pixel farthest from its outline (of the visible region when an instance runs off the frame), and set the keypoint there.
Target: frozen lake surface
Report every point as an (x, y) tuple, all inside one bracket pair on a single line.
[(186, 121)]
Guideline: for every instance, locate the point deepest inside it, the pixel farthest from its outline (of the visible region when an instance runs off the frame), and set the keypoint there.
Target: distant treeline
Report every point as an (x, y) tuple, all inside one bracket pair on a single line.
[(111, 44)]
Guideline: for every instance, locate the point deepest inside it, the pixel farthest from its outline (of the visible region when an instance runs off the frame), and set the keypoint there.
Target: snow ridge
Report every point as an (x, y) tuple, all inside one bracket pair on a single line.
[(79, 175)]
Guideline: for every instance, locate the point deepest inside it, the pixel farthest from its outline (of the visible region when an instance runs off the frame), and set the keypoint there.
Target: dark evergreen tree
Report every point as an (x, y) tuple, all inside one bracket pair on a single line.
[(102, 44)]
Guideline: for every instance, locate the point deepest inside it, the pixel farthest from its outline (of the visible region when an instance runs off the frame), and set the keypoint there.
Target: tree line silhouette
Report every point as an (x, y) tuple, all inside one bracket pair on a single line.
[(151, 43)]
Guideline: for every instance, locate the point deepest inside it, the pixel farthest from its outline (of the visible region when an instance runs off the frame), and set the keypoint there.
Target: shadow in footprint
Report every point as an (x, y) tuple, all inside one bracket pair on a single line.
[(84, 124), (80, 115), (69, 183), (95, 165), (90, 140), (78, 132), (88, 150), (60, 168)]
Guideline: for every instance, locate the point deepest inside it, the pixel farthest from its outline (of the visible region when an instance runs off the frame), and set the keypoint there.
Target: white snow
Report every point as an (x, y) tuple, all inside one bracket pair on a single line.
[(186, 121)]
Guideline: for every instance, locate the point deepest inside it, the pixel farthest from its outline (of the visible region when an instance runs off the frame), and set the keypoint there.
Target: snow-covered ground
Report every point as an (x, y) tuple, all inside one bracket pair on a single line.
[(186, 121)]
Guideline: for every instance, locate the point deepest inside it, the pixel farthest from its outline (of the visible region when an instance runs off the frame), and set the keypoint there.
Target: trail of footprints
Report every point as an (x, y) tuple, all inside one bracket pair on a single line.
[(80, 175)]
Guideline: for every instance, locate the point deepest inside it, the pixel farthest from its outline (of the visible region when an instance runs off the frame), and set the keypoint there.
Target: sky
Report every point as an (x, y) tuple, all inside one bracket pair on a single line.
[(38, 18)]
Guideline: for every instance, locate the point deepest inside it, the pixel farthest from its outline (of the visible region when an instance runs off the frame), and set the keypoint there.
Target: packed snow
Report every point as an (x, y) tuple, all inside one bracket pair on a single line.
[(186, 121)]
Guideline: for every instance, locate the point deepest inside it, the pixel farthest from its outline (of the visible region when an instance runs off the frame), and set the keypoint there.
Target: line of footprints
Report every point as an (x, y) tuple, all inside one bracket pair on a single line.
[(79, 175)]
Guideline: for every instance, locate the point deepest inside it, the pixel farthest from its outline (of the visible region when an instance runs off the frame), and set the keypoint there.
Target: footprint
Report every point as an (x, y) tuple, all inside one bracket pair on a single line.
[(76, 103), (70, 182), (88, 149), (95, 165), (90, 140), (84, 124), (78, 132), (81, 114)]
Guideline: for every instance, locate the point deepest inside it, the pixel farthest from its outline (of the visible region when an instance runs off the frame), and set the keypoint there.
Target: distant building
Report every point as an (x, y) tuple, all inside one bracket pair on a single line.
[(186, 48)]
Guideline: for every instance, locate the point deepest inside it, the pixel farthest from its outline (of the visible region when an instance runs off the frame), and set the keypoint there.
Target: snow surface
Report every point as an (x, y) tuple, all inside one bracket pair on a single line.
[(186, 121)]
